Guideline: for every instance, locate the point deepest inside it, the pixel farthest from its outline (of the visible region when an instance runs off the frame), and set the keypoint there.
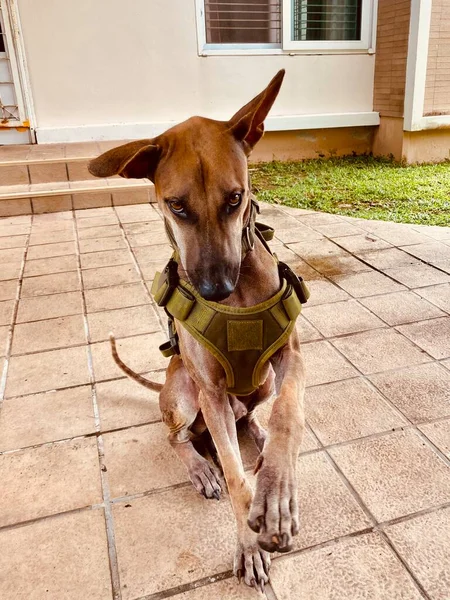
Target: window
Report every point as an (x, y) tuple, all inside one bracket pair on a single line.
[(284, 25)]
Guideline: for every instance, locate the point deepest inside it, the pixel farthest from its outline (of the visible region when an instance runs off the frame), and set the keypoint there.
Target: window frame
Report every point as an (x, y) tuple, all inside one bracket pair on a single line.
[(288, 47)]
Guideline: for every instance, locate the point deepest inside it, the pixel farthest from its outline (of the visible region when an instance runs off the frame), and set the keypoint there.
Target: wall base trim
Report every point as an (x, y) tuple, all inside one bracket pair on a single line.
[(129, 131)]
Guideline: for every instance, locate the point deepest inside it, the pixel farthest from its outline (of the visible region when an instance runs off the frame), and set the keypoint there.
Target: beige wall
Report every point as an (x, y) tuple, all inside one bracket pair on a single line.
[(392, 50), (437, 89), (313, 143), (105, 61)]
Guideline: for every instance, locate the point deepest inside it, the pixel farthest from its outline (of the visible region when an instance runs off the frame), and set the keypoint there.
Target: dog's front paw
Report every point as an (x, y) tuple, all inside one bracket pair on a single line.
[(251, 563), (274, 510)]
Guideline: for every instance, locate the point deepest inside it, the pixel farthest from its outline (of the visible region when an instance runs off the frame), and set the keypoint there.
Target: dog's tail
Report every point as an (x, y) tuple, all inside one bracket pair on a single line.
[(151, 385)]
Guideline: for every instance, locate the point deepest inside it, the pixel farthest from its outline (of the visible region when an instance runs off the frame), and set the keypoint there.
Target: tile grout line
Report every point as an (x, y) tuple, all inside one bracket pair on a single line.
[(8, 350), (109, 518), (141, 275), (373, 520)]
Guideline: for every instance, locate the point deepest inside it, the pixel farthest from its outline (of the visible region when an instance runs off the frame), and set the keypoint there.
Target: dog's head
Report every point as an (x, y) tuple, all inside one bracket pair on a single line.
[(199, 169)]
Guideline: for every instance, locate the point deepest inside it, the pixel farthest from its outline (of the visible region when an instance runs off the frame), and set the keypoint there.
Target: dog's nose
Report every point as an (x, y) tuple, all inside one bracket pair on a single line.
[(216, 290)]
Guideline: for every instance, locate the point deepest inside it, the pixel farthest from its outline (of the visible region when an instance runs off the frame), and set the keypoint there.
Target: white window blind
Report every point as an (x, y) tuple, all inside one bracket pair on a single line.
[(260, 21), (326, 20), (243, 21)]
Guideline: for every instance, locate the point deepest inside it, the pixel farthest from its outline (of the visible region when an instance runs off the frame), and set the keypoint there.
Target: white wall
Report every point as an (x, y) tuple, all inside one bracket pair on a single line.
[(104, 62)]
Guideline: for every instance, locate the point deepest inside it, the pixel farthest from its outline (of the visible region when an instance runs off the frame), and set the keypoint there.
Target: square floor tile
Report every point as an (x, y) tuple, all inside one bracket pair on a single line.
[(10, 255), (47, 307), (89, 213), (323, 291), (346, 410), (147, 239), (433, 336), (150, 254), (337, 230), (421, 392), (434, 253), (403, 236), (50, 284), (306, 331), (356, 568), (327, 508), (51, 250), (388, 259), (140, 225), (6, 311), (318, 218), (423, 544), (48, 334), (123, 402), (98, 221), (317, 249), (395, 475), (228, 589), (46, 417), (105, 258), (196, 538), (11, 271), (64, 557), (119, 296), (43, 371), (101, 244), (123, 322), (4, 333), (51, 237), (418, 275), (99, 232), (438, 295), (324, 364), (439, 434), (299, 233), (141, 353), (49, 479), (401, 307), (338, 265), (361, 243), (55, 264), (109, 276), (141, 459), (13, 241), (341, 317), (8, 289), (366, 284), (379, 350)]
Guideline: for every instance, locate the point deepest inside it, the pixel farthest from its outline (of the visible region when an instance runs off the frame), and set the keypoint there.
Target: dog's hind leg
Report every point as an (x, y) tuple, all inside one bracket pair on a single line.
[(179, 406)]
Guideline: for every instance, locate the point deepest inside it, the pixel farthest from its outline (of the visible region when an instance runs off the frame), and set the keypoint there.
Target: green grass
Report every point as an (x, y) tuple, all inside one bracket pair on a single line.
[(363, 187)]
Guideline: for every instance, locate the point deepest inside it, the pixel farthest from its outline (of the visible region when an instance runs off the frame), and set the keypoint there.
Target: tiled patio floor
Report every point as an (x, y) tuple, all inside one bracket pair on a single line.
[(93, 503)]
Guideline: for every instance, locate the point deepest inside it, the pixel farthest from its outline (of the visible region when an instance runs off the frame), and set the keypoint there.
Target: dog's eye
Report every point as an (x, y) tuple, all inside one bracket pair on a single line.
[(235, 199), (175, 206)]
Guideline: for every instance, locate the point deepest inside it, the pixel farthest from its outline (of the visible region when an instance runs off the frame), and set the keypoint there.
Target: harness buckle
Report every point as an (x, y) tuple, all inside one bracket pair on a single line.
[(167, 283), (300, 287), (248, 238)]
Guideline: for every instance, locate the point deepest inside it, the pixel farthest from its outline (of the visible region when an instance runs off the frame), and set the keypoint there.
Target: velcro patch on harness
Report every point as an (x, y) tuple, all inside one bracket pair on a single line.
[(245, 335)]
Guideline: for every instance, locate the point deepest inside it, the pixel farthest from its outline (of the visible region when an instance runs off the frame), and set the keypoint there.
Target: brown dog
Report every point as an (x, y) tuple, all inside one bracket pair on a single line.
[(199, 169)]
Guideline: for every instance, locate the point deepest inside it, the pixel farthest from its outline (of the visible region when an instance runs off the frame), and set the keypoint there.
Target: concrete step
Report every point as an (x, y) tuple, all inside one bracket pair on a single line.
[(54, 177)]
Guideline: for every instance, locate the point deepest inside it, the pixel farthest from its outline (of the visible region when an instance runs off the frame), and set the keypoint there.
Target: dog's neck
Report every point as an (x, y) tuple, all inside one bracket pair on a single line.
[(258, 278)]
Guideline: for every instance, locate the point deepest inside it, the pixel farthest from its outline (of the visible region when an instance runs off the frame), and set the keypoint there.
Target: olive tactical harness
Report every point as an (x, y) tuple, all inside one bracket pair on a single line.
[(241, 339)]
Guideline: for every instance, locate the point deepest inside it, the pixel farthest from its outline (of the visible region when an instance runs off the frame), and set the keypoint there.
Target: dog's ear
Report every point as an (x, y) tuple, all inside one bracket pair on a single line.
[(136, 160), (247, 125)]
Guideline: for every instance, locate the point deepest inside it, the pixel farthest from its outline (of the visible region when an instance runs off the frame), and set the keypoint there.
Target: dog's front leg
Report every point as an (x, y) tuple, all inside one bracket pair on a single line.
[(274, 511), (250, 561)]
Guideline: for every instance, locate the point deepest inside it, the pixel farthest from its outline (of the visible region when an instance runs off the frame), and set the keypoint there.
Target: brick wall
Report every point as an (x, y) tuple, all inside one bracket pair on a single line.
[(437, 89), (391, 54)]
